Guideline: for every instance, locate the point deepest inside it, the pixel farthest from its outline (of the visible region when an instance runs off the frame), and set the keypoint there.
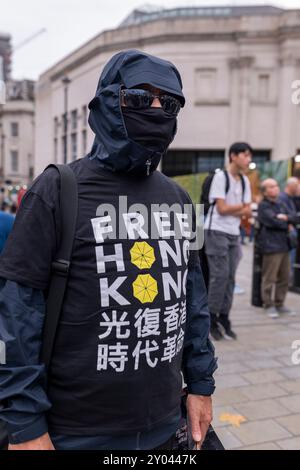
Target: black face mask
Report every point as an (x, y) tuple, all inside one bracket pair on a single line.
[(152, 128)]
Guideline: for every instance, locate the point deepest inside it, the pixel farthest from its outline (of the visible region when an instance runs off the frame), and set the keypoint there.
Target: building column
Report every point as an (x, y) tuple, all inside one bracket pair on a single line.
[(286, 137), (239, 98)]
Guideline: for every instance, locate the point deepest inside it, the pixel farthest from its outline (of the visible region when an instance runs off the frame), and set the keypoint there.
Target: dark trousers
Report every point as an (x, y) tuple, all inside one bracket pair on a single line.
[(275, 276), (167, 445), (223, 254)]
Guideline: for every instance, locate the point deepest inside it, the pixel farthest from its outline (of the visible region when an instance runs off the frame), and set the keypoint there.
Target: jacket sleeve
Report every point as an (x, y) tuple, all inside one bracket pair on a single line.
[(23, 395), (293, 218), (267, 217), (199, 361)]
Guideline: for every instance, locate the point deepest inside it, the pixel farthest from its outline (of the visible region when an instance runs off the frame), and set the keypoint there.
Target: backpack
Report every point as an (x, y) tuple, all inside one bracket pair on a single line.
[(204, 199)]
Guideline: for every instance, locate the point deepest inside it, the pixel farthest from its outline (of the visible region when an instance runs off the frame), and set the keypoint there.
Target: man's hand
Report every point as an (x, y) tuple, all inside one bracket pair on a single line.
[(41, 443), (282, 217), (199, 410), (246, 212)]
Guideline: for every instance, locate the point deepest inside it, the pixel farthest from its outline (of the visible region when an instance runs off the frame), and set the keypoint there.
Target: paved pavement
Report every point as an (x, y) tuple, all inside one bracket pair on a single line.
[(257, 400)]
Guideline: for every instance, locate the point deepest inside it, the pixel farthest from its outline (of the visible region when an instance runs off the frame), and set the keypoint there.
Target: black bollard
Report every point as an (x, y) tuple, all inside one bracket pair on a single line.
[(256, 299), (296, 267)]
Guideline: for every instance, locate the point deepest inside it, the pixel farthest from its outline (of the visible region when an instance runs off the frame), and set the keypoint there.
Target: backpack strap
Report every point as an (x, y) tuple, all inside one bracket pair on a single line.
[(60, 266), (243, 187), (227, 186)]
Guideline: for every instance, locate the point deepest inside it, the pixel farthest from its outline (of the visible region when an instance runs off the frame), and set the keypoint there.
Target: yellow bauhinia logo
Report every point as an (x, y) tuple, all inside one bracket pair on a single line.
[(145, 288), (142, 255)]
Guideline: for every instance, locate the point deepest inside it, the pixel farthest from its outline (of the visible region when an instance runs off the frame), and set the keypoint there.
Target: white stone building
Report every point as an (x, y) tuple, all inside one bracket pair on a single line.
[(17, 134), (238, 65)]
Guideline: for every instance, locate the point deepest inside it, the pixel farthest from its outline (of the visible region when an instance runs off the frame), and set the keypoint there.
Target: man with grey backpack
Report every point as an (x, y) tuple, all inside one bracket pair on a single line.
[(230, 199)]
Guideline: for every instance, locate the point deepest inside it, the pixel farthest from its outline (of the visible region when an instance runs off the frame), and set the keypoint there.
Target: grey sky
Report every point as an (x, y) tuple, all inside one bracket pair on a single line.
[(70, 23)]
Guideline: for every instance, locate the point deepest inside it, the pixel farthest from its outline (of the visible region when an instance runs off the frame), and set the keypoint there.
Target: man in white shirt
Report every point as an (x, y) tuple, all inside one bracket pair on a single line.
[(230, 199)]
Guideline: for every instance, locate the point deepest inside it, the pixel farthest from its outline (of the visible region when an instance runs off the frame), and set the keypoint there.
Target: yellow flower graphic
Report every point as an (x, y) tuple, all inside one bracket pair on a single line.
[(145, 288), (142, 255)]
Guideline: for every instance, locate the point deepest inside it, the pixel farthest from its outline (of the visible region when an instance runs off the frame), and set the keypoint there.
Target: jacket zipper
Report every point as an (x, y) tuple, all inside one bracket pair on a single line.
[(148, 164)]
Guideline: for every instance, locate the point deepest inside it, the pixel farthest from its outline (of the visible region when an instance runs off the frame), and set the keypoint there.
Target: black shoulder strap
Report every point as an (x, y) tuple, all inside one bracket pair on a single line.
[(227, 186), (243, 187), (60, 267)]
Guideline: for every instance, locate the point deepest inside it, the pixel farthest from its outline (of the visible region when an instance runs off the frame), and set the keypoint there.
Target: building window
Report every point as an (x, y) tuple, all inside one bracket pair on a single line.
[(14, 129), (178, 162), (84, 116), (209, 160), (73, 146), (205, 84), (261, 156), (263, 87), (14, 161), (185, 162), (74, 120), (84, 142)]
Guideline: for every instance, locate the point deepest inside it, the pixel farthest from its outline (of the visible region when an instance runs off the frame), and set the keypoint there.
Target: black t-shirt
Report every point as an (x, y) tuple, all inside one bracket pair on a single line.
[(116, 365)]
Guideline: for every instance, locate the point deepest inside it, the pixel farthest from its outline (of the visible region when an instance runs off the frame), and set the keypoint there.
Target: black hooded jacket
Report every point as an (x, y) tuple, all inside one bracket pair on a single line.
[(135, 312)]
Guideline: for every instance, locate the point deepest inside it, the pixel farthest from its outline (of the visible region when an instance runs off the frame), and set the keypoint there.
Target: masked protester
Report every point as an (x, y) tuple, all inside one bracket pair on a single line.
[(135, 312)]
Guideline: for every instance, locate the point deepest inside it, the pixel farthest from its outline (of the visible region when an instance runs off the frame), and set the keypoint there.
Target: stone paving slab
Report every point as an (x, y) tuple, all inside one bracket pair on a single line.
[(230, 380), (290, 444), (228, 396), (291, 423), (263, 409), (263, 446), (231, 367), (292, 372), (291, 386), (258, 364), (262, 391), (264, 376), (259, 431), (228, 440), (291, 402)]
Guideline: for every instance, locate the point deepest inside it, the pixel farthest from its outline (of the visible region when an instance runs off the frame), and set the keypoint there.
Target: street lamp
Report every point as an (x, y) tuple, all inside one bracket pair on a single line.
[(66, 81)]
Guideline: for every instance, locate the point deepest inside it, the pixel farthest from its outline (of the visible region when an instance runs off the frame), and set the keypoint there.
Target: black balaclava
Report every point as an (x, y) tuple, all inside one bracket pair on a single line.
[(152, 128), (132, 141)]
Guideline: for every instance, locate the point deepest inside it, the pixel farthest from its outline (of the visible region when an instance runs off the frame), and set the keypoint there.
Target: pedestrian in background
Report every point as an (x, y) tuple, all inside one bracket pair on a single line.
[(230, 199), (6, 225), (288, 196), (273, 242)]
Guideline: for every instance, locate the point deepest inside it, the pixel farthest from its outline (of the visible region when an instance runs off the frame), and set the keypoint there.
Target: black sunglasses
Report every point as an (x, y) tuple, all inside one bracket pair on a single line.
[(138, 98)]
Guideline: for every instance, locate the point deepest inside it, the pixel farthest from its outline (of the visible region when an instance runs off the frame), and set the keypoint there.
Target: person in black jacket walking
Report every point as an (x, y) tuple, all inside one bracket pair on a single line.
[(273, 241)]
